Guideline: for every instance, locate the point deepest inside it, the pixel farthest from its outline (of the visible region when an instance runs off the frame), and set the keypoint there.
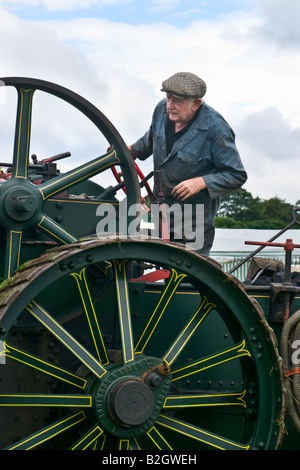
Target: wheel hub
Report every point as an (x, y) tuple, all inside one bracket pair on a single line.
[(20, 204), (126, 402), (131, 403)]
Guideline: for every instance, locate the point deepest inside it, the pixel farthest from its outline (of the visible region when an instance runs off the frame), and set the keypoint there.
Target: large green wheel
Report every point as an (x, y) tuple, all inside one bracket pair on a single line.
[(24, 206), (99, 357)]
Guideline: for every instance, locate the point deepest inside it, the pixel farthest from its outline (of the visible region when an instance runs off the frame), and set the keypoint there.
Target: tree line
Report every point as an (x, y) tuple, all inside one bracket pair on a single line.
[(240, 209)]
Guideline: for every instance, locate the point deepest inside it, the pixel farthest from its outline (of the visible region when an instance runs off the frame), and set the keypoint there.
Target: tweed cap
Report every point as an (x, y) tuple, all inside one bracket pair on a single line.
[(184, 85)]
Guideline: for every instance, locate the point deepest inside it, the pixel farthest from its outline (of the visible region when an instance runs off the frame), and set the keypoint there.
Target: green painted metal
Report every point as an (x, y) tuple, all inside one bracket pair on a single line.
[(42, 315), (49, 432), (189, 362), (23, 204), (38, 364), (124, 310), (208, 378)]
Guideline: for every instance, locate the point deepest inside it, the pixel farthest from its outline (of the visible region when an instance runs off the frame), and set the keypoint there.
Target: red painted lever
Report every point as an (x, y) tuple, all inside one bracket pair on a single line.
[(288, 245)]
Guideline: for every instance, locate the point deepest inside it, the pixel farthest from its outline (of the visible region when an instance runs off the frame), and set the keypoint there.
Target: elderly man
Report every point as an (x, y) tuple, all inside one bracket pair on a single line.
[(193, 150)]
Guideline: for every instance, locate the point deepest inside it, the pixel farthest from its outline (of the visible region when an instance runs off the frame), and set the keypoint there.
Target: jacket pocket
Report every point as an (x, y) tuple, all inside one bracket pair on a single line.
[(185, 165), (190, 158)]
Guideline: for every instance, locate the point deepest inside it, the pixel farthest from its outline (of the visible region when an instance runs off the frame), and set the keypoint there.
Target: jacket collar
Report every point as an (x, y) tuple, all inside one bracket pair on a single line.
[(202, 122)]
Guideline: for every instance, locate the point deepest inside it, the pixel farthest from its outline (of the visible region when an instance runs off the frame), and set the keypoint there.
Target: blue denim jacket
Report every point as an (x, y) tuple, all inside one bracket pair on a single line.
[(206, 149)]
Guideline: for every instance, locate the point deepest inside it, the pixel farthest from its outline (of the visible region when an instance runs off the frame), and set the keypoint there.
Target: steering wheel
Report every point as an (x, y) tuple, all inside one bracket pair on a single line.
[(144, 183)]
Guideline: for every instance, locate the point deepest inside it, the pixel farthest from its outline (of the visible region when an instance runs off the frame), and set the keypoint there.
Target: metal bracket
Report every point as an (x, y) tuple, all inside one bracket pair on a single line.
[(281, 295), (280, 301)]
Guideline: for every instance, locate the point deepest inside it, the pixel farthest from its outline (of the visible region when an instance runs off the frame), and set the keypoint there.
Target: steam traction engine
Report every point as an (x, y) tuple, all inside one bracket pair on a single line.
[(125, 343)]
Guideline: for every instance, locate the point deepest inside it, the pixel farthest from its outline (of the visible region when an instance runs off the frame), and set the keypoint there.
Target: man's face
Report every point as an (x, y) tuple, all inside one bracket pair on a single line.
[(181, 110)]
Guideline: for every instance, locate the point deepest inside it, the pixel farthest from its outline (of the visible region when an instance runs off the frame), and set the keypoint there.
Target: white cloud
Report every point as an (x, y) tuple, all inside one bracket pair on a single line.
[(281, 22), (160, 5), (270, 147), (62, 5), (257, 130), (120, 67)]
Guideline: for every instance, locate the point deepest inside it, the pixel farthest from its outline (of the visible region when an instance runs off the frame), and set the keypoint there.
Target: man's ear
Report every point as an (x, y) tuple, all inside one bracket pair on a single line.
[(197, 103)]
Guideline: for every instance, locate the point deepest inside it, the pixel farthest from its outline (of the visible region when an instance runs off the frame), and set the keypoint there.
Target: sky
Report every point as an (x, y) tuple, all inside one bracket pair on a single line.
[(116, 53)]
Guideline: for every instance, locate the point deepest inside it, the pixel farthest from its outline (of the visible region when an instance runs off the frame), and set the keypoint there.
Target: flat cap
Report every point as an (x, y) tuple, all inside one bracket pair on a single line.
[(184, 85)]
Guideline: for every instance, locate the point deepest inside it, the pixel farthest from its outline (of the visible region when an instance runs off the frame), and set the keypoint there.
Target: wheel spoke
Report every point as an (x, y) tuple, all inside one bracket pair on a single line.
[(157, 438), (88, 438), (213, 399), (12, 252), (34, 399), (90, 314), (211, 361), (47, 433), (100, 442), (65, 338), (188, 331), (199, 434), (134, 445), (43, 366), (22, 133), (169, 291), (123, 444), (55, 231), (78, 175), (124, 310)]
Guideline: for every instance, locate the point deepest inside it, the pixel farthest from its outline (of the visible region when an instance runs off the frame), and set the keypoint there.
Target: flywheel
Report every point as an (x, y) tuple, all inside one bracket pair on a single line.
[(33, 211), (135, 344)]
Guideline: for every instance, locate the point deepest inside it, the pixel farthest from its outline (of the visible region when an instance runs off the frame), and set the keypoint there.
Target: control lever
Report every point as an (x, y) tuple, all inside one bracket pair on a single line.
[(59, 156)]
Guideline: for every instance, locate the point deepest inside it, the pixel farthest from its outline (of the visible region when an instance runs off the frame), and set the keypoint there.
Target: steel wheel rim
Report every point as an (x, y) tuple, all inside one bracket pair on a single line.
[(255, 343)]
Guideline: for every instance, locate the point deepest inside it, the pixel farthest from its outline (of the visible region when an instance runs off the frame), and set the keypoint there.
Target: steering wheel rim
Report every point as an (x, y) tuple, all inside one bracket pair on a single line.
[(141, 176)]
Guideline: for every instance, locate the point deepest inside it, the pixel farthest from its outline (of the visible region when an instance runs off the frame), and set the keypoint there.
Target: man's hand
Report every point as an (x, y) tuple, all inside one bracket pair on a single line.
[(130, 150), (188, 188)]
